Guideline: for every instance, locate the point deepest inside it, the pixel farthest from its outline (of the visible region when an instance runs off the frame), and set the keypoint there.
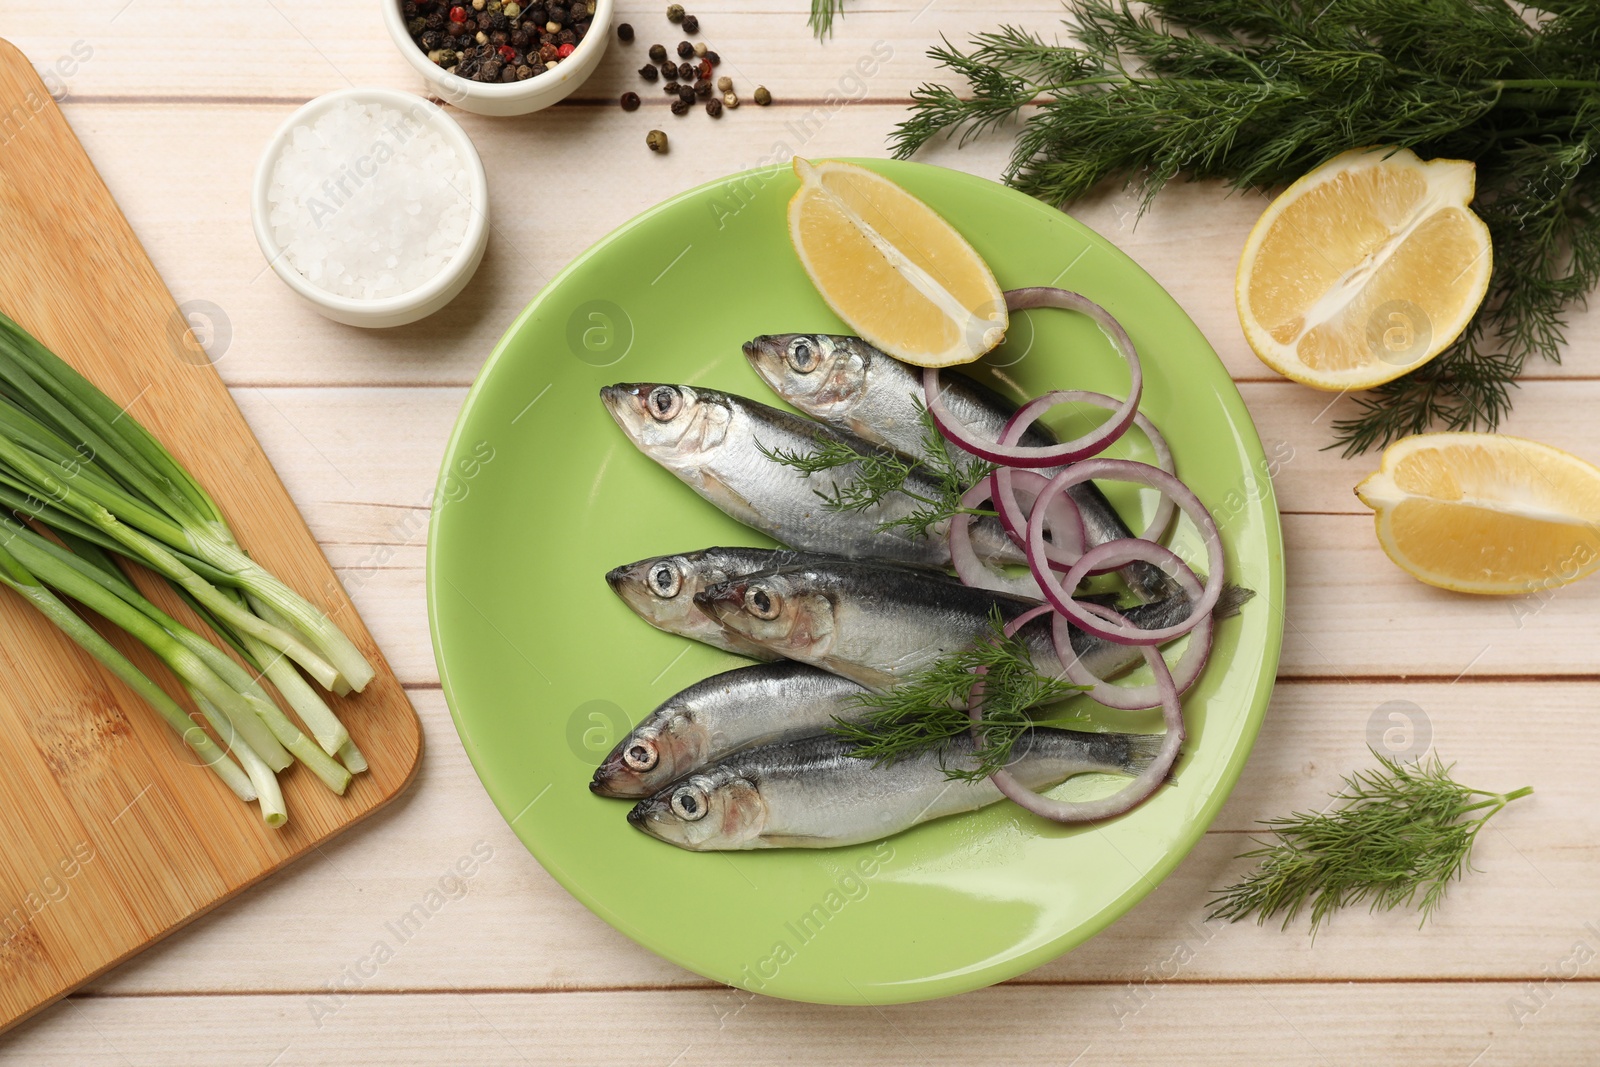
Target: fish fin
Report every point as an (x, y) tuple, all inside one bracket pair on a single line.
[(1142, 751), (730, 501), (1232, 599)]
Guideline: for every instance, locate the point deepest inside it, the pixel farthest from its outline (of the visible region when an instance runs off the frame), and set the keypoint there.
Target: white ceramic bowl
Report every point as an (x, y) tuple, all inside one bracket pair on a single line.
[(506, 98), (426, 298)]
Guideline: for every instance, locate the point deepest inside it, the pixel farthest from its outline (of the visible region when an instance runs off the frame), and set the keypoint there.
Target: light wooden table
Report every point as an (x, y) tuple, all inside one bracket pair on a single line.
[(175, 102)]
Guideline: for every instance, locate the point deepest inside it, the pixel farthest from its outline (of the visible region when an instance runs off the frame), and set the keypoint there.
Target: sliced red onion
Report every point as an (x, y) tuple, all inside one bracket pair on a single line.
[(975, 571), (1129, 796), (1058, 591), (1067, 538), (1089, 444), (1135, 698), (1029, 413)]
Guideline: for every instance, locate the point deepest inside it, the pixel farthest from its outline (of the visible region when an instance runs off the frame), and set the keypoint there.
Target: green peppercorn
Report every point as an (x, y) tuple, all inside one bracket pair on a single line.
[(630, 101), (416, 26), (674, 13), (658, 53), (649, 73), (624, 32), (762, 96), (691, 24), (656, 140), (714, 108), (680, 108)]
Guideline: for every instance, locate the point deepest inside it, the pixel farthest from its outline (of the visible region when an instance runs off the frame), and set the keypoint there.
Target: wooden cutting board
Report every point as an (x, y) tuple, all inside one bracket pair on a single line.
[(110, 836)]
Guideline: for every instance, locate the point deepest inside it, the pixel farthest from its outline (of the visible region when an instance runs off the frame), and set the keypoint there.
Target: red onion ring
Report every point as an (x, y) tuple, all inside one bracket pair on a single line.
[(1057, 591), (1029, 413), (1136, 698), (1054, 455), (1066, 521), (1129, 796), (969, 567)]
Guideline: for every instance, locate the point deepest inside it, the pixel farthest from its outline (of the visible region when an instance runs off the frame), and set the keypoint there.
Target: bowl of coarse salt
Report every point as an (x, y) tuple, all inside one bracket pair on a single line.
[(372, 205)]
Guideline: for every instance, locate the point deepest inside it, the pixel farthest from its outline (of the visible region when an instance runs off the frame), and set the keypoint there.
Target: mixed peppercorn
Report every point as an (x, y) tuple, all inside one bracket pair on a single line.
[(686, 80), (497, 40)]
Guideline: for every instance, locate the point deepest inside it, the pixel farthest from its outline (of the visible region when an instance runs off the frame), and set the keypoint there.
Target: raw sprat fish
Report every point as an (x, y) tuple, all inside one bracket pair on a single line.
[(721, 446), (813, 793), (849, 384), (880, 628), (722, 715)]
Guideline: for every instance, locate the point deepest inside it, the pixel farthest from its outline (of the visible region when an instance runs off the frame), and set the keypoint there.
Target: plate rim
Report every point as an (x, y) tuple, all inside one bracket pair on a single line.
[(970, 978)]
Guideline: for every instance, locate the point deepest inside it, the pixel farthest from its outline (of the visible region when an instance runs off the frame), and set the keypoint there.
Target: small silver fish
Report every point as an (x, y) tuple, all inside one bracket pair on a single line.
[(718, 445), (849, 384), (724, 714), (880, 628), (813, 793)]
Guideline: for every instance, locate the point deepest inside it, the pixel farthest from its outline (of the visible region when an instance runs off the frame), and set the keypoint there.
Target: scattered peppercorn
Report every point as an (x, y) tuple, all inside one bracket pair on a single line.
[(674, 13), (658, 53), (649, 73), (691, 24), (730, 99), (686, 93), (762, 96), (700, 49), (685, 49), (680, 108), (724, 83), (630, 101), (714, 108), (703, 70), (702, 89), (713, 58), (685, 71), (624, 32), (669, 69), (656, 140), (671, 88)]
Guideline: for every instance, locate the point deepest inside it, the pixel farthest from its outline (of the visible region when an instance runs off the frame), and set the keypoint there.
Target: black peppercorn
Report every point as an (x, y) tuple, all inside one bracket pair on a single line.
[(671, 88), (566, 37), (499, 37), (624, 32), (686, 93), (691, 24), (714, 108), (702, 89), (674, 12), (520, 39), (435, 21), (680, 108), (656, 140), (712, 58), (685, 49), (683, 72), (557, 14), (537, 15), (649, 73), (509, 74), (524, 72), (630, 101), (658, 53), (409, 9), (491, 70), (499, 22), (669, 70), (430, 40)]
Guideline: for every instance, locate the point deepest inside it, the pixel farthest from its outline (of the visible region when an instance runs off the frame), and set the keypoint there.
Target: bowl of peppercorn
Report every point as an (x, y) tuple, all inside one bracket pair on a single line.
[(500, 57)]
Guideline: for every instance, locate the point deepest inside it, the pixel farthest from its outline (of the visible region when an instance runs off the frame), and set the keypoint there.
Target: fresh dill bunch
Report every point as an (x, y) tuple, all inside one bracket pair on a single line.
[(878, 473), (1398, 832), (1258, 93), (823, 12), (927, 711)]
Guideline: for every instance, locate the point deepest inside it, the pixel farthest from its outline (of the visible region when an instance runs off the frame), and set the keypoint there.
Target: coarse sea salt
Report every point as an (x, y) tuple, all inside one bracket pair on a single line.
[(369, 201)]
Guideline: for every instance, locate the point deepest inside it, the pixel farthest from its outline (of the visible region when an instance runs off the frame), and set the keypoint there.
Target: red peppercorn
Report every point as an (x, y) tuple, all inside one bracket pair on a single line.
[(458, 14), (507, 53), (565, 50)]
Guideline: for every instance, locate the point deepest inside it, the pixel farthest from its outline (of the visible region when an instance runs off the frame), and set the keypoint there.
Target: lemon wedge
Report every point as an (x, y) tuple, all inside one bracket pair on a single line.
[(1486, 513), (1364, 269), (892, 268)]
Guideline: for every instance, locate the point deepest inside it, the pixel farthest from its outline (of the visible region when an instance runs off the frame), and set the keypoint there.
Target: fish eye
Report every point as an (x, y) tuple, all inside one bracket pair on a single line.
[(640, 756), (689, 803), (761, 603), (665, 581), (803, 355), (664, 403)]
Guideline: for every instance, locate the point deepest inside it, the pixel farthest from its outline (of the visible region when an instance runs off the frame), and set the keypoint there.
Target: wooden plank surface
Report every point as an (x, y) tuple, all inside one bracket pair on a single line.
[(174, 105), (112, 836)]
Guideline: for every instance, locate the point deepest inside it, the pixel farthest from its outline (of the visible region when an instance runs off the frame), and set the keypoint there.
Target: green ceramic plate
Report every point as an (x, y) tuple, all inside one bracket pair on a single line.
[(544, 669)]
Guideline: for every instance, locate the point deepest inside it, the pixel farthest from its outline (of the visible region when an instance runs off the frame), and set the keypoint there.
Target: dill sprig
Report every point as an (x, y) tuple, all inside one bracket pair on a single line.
[(879, 473), (1257, 93), (823, 12), (930, 709), (1397, 832)]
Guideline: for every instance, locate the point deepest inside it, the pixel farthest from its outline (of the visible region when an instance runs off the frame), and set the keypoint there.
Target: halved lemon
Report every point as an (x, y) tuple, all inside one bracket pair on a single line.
[(890, 267), (1364, 269), (1486, 513)]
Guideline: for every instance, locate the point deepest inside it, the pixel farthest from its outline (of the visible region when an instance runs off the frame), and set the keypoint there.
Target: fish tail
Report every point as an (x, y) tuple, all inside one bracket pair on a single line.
[(1233, 598), (1141, 750)]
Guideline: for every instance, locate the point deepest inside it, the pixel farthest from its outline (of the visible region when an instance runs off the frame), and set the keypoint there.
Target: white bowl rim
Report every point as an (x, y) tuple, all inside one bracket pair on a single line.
[(477, 222), (437, 76)]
